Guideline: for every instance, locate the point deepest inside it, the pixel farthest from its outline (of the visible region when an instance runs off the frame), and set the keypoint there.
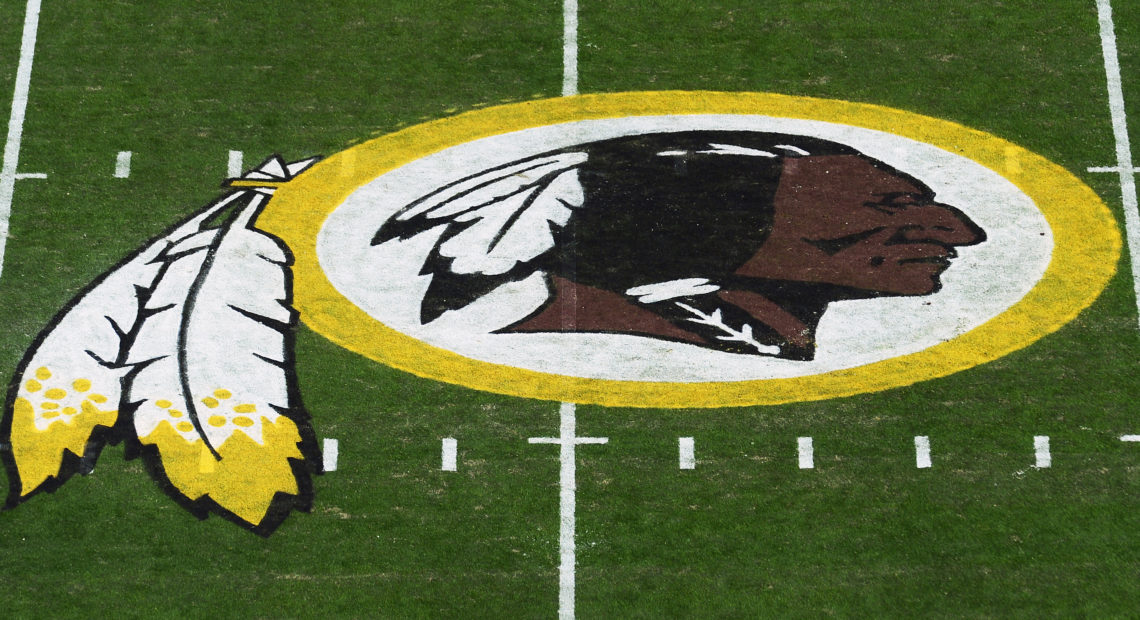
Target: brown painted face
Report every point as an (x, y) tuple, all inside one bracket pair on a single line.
[(839, 220)]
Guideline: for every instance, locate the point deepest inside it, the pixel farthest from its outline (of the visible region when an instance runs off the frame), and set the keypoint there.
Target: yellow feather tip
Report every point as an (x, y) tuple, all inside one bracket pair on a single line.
[(39, 453), (248, 475)]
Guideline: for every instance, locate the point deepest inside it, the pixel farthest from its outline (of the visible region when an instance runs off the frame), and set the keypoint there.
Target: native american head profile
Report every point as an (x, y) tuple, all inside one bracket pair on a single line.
[(730, 240)]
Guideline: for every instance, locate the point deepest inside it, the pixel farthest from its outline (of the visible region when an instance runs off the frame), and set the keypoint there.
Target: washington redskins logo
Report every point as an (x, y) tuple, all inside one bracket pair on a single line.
[(690, 249), (733, 241), (669, 249)]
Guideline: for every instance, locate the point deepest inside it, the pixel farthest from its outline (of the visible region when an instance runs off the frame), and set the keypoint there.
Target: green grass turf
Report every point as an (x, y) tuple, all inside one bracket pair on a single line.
[(745, 534)]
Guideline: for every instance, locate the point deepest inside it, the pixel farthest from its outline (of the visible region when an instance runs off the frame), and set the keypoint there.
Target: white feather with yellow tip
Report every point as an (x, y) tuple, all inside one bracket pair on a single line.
[(212, 384), (70, 382)]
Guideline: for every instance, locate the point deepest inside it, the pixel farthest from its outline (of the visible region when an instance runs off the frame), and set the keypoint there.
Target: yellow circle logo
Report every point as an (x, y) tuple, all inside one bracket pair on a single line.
[(690, 249)]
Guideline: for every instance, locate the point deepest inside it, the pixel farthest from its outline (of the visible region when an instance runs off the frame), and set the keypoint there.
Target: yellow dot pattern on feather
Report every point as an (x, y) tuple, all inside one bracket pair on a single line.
[(163, 404), (245, 408), (185, 427), (222, 394), (69, 402), (217, 420), (174, 413), (41, 440), (210, 402), (243, 421), (66, 401)]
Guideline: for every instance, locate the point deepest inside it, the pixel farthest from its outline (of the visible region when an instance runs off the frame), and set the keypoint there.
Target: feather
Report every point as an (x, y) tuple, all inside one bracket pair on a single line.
[(63, 402), (212, 393), (488, 186), (491, 227)]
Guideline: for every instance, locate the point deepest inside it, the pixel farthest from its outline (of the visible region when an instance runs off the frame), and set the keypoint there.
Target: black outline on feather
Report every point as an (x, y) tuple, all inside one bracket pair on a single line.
[(395, 227), (463, 289), (281, 505), (101, 436)]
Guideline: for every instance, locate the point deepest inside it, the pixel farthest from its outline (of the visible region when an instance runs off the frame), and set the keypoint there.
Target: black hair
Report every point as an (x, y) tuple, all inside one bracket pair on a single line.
[(656, 207), (666, 206)]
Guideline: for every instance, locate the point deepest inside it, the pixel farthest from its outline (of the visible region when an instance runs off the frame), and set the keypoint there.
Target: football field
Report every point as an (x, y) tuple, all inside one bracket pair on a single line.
[(1007, 486)]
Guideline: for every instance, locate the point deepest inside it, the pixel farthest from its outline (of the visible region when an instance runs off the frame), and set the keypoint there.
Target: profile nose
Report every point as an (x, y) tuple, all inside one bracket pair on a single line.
[(944, 224)]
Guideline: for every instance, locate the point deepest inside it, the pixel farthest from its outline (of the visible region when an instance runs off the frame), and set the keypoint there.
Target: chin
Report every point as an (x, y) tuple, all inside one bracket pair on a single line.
[(918, 284)]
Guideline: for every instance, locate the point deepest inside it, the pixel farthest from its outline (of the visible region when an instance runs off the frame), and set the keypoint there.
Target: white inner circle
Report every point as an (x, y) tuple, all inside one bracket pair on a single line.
[(981, 283)]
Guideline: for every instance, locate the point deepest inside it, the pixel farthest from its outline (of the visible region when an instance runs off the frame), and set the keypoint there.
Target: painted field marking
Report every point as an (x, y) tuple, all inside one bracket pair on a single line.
[(234, 164), (1124, 165), (123, 165), (922, 452), (348, 164), (448, 454), (1114, 169), (806, 452), (8, 172), (569, 48), (686, 453), (331, 453), (1041, 451), (1130, 438), (567, 488)]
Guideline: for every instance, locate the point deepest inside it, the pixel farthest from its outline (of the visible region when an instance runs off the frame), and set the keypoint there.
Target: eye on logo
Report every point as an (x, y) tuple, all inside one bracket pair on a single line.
[(690, 249)]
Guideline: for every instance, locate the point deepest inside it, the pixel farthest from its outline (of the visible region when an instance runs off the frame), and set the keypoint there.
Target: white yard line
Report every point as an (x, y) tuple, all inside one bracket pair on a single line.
[(448, 454), (567, 490), (686, 453), (123, 165), (569, 48), (922, 452), (1041, 451), (1108, 169), (234, 164), (806, 452), (1124, 165), (8, 174), (331, 454), (568, 439)]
